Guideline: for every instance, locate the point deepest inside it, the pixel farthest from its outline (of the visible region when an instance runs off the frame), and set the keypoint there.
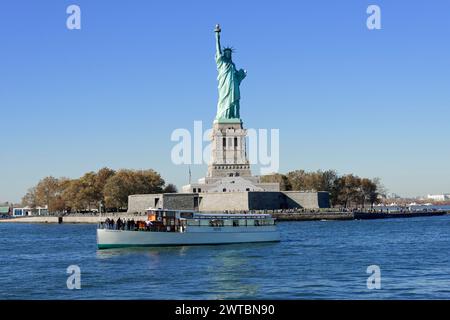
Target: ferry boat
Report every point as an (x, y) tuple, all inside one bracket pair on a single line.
[(184, 227)]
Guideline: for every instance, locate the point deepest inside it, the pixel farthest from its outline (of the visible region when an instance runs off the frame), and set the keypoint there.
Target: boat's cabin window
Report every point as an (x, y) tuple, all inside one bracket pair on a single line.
[(186, 215), (193, 222), (227, 223), (170, 214), (264, 222), (216, 223)]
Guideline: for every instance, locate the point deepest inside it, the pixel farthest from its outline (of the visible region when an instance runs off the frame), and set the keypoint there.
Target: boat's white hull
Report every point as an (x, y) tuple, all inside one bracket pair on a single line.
[(207, 236)]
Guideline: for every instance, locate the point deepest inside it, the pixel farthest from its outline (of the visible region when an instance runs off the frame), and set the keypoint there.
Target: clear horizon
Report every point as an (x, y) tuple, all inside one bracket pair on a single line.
[(372, 103)]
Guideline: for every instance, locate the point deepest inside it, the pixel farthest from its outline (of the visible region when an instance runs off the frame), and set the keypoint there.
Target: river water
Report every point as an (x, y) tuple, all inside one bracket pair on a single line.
[(314, 260)]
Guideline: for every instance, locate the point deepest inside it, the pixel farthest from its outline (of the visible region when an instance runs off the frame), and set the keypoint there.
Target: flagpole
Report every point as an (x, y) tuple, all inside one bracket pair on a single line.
[(189, 174)]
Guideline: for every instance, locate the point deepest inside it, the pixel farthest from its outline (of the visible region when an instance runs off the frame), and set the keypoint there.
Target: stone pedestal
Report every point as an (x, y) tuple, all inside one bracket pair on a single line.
[(229, 167), (228, 151)]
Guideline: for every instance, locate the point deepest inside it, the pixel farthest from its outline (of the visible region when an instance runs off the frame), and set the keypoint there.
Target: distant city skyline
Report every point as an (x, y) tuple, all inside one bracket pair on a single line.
[(374, 103)]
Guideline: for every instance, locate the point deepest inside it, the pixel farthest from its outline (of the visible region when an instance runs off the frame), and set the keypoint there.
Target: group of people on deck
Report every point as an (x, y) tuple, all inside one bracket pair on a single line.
[(126, 224)]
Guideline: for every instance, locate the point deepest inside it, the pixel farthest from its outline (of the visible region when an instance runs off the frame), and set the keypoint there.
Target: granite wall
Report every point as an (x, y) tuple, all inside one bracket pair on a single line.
[(307, 200), (141, 202), (222, 201), (237, 201)]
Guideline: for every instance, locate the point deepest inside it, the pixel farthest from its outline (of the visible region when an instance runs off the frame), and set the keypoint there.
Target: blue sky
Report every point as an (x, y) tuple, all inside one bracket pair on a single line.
[(373, 103)]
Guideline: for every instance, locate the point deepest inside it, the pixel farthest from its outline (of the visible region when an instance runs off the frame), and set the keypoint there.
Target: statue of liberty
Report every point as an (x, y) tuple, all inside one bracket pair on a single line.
[(229, 80)]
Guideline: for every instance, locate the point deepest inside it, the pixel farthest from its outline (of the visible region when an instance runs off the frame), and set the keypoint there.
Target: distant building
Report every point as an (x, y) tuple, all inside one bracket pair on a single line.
[(438, 197), (393, 196), (5, 210), (27, 211)]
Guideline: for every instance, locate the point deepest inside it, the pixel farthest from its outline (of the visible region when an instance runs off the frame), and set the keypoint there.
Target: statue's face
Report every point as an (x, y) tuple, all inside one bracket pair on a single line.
[(227, 54)]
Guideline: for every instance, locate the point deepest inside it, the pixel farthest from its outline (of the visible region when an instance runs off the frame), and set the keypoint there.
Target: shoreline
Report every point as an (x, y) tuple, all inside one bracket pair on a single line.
[(303, 216)]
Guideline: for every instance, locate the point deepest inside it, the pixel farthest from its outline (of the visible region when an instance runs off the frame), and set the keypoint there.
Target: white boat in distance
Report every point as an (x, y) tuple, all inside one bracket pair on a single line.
[(185, 227)]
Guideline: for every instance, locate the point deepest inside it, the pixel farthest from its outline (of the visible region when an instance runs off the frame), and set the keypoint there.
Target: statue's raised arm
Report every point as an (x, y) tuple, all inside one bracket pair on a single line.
[(218, 47)]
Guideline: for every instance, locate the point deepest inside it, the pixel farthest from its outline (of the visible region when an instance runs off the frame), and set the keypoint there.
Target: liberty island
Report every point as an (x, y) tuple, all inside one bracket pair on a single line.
[(229, 185)]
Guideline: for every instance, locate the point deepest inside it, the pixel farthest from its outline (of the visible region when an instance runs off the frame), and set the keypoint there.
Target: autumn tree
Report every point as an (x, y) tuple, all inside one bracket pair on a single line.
[(87, 191), (170, 188), (73, 195), (297, 180), (312, 181), (29, 199), (49, 192), (128, 182), (282, 179), (328, 180), (348, 190), (368, 191), (105, 186), (100, 181)]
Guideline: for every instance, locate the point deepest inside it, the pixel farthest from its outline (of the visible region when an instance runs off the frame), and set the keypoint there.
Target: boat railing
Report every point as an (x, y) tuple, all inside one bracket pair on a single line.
[(138, 226)]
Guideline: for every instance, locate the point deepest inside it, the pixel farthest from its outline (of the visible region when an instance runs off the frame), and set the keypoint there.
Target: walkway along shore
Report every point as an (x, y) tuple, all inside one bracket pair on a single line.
[(301, 216)]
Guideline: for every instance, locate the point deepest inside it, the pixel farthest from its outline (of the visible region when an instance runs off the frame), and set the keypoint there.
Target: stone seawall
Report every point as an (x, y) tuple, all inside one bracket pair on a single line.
[(312, 216), (304, 216), (300, 216), (71, 219)]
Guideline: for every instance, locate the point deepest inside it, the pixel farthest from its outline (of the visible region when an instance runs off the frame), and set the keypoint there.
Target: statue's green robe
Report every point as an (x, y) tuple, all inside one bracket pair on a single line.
[(229, 94)]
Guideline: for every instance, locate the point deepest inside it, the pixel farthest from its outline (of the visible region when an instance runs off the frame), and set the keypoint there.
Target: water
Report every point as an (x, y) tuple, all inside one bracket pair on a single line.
[(315, 260)]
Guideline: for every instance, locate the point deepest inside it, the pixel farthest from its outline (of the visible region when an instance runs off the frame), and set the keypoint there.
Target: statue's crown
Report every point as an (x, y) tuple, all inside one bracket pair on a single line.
[(228, 49)]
